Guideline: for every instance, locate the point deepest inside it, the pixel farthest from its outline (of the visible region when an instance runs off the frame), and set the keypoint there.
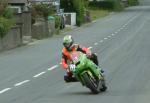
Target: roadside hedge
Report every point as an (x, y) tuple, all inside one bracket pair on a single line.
[(6, 21), (133, 2), (42, 10), (79, 9), (108, 5), (5, 25)]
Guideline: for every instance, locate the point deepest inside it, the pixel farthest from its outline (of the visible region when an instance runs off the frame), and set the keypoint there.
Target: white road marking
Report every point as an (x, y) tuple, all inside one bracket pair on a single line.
[(116, 32), (101, 41), (105, 38), (39, 74), (119, 30), (53, 67), (112, 34), (124, 26), (90, 47), (109, 36), (23, 82), (132, 20), (95, 43), (4, 90)]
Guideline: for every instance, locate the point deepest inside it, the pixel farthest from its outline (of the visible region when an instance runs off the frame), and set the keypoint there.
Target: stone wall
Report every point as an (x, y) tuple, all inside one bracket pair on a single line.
[(43, 28), (24, 21), (12, 39)]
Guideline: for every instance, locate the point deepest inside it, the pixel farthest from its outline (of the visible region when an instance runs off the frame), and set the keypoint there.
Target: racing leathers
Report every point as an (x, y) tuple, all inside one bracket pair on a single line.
[(66, 58)]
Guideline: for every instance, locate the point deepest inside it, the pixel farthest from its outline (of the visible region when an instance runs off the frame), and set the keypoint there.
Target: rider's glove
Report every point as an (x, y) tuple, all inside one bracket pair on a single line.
[(88, 55)]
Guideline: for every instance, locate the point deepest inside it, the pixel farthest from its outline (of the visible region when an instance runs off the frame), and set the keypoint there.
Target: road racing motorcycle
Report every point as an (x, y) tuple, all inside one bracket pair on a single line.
[(87, 72)]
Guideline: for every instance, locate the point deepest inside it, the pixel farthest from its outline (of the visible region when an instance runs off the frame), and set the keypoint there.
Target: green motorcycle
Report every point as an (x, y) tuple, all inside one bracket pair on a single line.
[(86, 72)]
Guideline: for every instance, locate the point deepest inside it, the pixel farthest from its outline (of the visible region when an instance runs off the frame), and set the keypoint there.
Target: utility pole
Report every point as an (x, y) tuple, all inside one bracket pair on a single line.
[(58, 5)]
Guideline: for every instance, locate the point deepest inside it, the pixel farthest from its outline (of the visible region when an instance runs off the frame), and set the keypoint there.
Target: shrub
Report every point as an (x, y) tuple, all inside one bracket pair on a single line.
[(5, 18), (133, 2), (57, 21), (79, 9), (102, 4), (117, 5), (7, 13), (5, 25), (108, 5), (42, 10)]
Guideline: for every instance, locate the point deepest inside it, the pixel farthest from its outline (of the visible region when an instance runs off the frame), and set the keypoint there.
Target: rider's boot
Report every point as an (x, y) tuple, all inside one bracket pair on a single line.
[(69, 78)]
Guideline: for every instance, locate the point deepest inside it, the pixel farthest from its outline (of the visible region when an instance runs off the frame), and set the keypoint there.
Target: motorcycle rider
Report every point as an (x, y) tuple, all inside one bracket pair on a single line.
[(69, 46)]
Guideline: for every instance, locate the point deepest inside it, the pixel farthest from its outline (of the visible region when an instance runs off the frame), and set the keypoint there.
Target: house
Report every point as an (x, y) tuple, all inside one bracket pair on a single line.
[(55, 3), (19, 5)]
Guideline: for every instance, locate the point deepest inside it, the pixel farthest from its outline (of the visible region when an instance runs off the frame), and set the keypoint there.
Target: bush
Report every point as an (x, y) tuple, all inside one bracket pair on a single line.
[(79, 9), (57, 22), (133, 2), (102, 4), (42, 10), (7, 13), (5, 25), (108, 5), (117, 5), (5, 19)]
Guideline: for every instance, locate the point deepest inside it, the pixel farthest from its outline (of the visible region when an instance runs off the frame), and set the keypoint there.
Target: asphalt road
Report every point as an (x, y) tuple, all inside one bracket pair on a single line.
[(32, 73), (144, 2)]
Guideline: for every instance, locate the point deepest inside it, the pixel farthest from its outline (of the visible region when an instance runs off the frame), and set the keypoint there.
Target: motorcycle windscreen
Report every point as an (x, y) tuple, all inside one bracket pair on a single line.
[(75, 57)]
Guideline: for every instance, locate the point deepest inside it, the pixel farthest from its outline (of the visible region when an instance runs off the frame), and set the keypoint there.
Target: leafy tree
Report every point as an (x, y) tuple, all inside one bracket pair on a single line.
[(43, 10), (79, 9)]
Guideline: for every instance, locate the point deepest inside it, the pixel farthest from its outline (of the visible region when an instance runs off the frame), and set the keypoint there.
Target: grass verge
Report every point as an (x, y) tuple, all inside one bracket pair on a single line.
[(98, 13)]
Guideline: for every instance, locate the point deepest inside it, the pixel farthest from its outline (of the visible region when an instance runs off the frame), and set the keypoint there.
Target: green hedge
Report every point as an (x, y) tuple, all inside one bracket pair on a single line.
[(42, 10), (6, 21), (5, 25), (133, 2), (57, 22), (108, 4), (79, 9), (7, 13)]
